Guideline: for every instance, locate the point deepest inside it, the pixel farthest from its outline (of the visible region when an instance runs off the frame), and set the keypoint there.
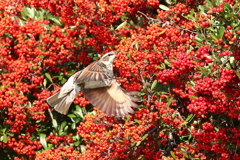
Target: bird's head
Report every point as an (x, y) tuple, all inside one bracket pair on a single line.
[(108, 58)]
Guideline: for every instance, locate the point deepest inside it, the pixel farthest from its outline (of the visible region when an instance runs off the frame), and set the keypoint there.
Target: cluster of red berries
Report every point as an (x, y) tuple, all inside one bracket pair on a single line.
[(23, 145)]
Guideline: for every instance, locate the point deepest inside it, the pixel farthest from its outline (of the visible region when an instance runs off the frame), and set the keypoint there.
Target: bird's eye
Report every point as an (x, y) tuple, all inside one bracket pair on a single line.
[(110, 54)]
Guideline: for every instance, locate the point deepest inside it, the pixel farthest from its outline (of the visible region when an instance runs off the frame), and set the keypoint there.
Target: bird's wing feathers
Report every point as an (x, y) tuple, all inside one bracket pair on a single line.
[(113, 101), (93, 72)]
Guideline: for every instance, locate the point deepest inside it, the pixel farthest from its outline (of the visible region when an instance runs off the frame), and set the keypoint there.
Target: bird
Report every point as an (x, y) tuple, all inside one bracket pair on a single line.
[(99, 86)]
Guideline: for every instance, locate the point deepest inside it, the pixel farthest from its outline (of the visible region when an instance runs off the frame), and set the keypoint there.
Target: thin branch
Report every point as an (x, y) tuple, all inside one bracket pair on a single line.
[(50, 114), (164, 23)]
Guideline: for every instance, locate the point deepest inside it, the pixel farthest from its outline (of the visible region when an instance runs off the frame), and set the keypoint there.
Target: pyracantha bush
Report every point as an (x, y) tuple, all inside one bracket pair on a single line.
[(182, 57)]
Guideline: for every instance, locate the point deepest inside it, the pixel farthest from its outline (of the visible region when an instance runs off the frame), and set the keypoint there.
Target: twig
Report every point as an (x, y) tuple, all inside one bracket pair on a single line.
[(146, 86), (164, 23), (50, 114)]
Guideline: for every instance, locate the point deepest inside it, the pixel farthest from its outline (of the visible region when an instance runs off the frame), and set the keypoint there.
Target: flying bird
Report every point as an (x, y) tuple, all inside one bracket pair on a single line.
[(99, 86)]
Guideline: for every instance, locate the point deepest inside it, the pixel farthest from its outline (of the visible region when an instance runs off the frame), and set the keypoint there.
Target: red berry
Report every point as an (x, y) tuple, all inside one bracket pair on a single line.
[(221, 5), (229, 27), (220, 40)]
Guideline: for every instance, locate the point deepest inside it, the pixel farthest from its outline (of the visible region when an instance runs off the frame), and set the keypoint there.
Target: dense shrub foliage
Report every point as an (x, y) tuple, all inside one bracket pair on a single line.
[(182, 57)]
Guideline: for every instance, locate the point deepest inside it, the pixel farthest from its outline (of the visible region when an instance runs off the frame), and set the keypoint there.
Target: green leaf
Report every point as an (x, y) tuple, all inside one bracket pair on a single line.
[(214, 36), (189, 117), (220, 32), (184, 123), (121, 25), (163, 31), (137, 121), (233, 62), (201, 8), (154, 84), (216, 57), (54, 122), (39, 14), (169, 101), (189, 137), (209, 3), (169, 1), (174, 115), (167, 63), (200, 37), (47, 27), (128, 118), (5, 138), (192, 12), (65, 129), (44, 83), (10, 134), (48, 77), (111, 8), (73, 126), (132, 23), (237, 73), (163, 7), (64, 123), (55, 20), (135, 43), (154, 47), (79, 111), (159, 67), (141, 157), (76, 143), (138, 143), (172, 154), (71, 115), (43, 141), (83, 148), (144, 137), (31, 12), (217, 2), (24, 13)]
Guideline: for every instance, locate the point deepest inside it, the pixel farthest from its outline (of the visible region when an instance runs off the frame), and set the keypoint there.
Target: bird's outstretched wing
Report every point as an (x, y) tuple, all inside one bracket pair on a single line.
[(93, 72), (113, 100)]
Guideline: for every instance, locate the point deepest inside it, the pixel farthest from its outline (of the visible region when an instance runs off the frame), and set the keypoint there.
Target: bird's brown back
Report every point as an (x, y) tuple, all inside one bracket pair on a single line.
[(93, 72)]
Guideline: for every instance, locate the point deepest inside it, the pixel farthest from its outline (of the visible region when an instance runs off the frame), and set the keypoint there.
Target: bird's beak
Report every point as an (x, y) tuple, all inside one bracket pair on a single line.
[(116, 52)]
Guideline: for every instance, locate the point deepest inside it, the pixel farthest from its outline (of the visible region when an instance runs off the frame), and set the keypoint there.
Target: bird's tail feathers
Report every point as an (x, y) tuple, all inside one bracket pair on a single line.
[(62, 103)]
